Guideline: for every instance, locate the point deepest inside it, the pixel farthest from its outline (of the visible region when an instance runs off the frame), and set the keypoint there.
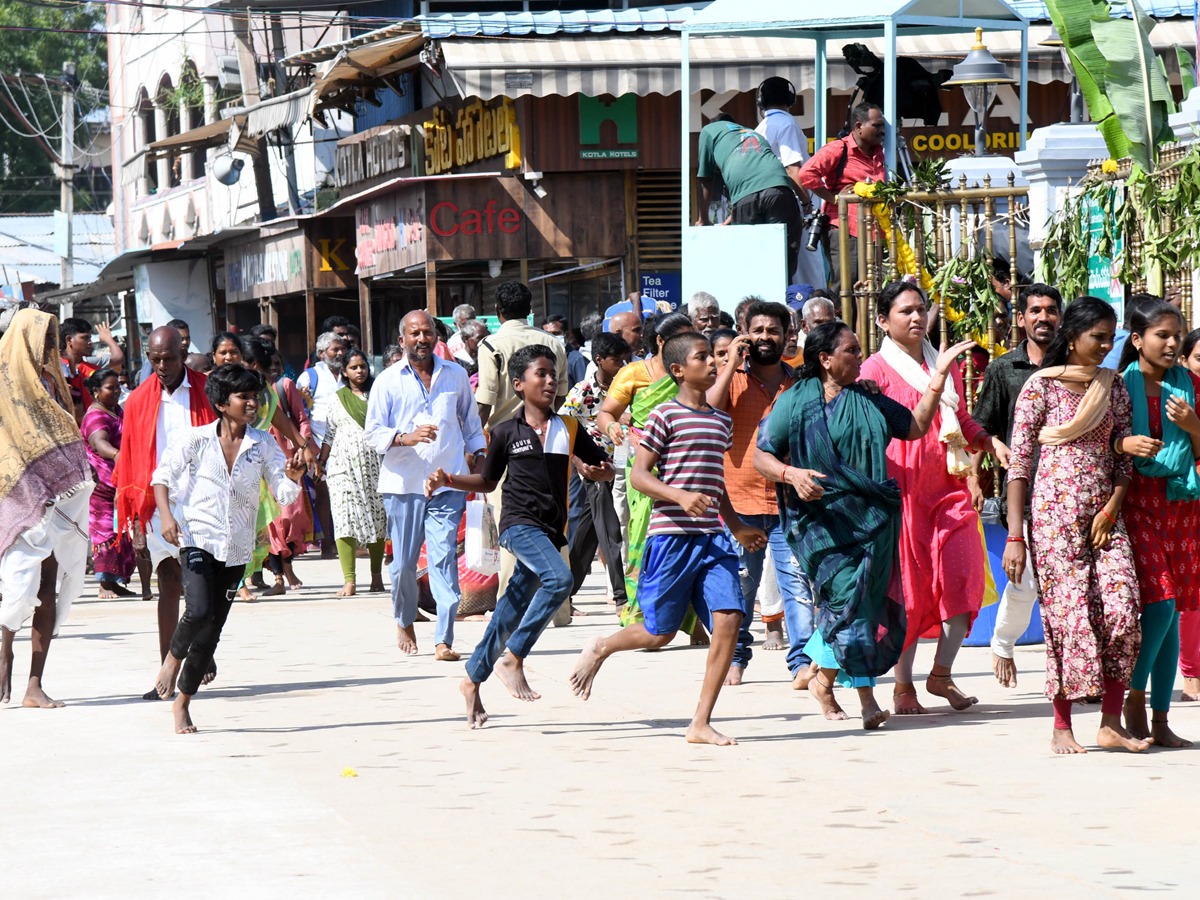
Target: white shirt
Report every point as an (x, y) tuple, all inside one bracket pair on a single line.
[(399, 403), (174, 416), (322, 392), (218, 509), (785, 137)]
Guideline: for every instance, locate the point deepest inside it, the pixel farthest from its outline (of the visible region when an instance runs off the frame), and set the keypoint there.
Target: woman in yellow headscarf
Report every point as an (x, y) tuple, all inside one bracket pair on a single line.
[(45, 486)]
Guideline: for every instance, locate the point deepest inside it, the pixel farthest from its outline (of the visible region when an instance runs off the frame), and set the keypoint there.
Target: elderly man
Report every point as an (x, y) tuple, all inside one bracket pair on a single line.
[(161, 408), (705, 313), (495, 395), (463, 313), (579, 361), (421, 417), (628, 327), (470, 333), (320, 385), (817, 310)]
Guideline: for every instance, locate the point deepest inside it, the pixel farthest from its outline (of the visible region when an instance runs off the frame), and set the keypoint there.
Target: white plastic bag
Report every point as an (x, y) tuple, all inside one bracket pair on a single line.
[(483, 542)]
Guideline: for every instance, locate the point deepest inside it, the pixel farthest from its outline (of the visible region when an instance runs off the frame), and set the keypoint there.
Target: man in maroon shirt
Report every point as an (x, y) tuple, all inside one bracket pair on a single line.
[(837, 167)]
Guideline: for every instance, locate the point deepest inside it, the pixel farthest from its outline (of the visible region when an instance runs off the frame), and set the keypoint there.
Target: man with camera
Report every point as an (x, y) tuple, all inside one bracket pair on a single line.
[(836, 168), (760, 191)]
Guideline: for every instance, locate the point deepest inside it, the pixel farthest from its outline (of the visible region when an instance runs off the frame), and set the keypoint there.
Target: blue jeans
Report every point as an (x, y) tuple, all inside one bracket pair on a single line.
[(413, 521), (797, 600), (541, 582)]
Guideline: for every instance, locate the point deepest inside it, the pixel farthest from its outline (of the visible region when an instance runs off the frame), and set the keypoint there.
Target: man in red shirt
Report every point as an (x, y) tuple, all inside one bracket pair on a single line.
[(837, 167), (75, 335)]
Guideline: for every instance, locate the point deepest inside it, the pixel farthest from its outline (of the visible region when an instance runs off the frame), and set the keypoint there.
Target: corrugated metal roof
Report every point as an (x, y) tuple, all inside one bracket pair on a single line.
[(27, 248), (1035, 10), (658, 18)]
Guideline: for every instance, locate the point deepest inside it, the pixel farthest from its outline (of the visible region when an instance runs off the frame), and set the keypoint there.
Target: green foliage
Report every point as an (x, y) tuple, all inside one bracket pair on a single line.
[(1065, 250), (27, 182), (1122, 80), (966, 283)]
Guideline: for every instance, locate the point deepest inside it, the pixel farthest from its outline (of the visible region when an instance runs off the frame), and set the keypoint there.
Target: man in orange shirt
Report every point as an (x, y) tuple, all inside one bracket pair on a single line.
[(75, 335), (747, 392)]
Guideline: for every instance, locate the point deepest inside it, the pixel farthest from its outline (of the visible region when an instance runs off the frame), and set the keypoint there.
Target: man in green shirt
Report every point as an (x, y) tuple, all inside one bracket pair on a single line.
[(760, 191)]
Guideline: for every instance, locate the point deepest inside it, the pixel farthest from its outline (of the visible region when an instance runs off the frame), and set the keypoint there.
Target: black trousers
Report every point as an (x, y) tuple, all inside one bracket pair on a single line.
[(775, 205), (208, 589), (599, 526)]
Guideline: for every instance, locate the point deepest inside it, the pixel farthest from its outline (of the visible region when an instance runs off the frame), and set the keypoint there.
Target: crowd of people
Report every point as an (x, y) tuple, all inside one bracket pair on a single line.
[(716, 463)]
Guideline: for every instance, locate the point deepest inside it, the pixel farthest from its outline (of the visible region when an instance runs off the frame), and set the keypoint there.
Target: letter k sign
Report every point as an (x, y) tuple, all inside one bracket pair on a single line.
[(330, 261)]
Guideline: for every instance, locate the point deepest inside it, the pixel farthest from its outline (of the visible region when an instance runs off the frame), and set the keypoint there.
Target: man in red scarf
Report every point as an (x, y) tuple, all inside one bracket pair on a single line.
[(169, 402)]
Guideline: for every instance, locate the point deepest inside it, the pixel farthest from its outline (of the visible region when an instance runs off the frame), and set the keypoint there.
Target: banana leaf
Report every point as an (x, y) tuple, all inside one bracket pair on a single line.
[(1187, 69), (1135, 83), (1073, 20)]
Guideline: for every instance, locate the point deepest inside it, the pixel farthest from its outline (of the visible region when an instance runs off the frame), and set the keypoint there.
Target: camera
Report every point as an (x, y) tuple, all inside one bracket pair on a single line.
[(818, 225)]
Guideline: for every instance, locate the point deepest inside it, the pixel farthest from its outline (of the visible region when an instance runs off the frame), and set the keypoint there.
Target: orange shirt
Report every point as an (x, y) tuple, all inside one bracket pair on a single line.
[(749, 403)]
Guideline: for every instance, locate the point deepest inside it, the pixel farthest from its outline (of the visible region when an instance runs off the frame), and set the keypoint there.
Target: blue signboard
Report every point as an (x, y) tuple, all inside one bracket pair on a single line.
[(659, 286)]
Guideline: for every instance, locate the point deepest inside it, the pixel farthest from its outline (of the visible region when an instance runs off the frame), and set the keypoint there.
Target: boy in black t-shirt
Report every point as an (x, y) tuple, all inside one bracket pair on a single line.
[(535, 446)]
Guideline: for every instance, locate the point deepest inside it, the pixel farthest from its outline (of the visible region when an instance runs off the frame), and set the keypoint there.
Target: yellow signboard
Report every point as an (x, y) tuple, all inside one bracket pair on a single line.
[(479, 132)]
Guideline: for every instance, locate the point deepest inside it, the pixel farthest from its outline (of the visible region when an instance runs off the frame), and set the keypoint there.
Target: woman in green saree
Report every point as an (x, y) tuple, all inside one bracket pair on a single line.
[(640, 388), (824, 444)]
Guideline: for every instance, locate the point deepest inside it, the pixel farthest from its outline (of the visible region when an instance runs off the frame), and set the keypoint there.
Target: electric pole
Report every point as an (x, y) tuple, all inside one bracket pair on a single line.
[(67, 176)]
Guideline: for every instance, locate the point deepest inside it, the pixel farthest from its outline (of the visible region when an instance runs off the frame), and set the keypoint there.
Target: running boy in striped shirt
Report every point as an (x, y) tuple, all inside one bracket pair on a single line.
[(688, 561)]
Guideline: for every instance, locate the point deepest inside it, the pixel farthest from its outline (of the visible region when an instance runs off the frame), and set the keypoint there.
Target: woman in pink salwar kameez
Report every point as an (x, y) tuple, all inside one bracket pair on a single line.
[(942, 563)]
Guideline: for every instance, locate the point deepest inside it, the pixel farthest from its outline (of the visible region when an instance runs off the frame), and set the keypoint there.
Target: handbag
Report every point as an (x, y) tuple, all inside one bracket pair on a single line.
[(482, 539)]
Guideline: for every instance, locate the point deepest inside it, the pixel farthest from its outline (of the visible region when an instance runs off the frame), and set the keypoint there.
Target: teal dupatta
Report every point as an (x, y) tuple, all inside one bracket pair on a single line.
[(846, 542), (1175, 461)]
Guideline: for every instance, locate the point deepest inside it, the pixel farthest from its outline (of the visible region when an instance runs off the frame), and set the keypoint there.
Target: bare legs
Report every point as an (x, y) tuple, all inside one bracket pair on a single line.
[(42, 633), (940, 682), (636, 637)]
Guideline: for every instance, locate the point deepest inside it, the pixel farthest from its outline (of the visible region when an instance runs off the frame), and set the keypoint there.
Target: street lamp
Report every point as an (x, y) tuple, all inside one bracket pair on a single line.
[(1054, 40), (976, 74)]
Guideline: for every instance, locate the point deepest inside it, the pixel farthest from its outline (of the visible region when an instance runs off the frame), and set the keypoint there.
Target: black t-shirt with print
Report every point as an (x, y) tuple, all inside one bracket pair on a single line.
[(535, 491)]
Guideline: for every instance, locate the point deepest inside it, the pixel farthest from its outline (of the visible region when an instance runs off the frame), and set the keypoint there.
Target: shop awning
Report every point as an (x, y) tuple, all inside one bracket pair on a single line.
[(341, 78), (214, 134), (274, 113)]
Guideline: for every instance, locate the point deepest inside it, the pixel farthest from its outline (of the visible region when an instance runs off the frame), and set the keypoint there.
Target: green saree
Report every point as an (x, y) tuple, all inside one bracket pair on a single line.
[(268, 509), (846, 542)]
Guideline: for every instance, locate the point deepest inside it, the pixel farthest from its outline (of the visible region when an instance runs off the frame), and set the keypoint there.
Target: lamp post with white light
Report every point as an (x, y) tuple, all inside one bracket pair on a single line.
[(976, 75)]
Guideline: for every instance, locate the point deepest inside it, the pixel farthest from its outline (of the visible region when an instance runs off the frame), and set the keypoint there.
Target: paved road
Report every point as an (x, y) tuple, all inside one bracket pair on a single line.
[(557, 798)]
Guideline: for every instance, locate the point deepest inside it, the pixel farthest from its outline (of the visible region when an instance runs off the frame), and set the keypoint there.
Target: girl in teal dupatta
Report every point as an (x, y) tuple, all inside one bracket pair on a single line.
[(1161, 509), (256, 354), (641, 387), (825, 446)]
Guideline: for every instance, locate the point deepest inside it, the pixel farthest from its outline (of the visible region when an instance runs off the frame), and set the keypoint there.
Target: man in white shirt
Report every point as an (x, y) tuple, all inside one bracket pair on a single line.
[(421, 416), (320, 385), (463, 313), (776, 97)]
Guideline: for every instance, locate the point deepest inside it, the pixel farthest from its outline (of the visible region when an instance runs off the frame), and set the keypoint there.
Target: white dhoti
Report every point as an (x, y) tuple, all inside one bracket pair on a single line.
[(62, 533)]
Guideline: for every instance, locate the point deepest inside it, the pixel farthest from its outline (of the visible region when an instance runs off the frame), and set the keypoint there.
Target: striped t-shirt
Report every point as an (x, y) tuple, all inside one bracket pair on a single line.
[(691, 445)]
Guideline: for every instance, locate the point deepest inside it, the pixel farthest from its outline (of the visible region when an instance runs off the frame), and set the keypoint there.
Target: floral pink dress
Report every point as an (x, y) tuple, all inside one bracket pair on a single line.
[(1089, 597), (942, 563)]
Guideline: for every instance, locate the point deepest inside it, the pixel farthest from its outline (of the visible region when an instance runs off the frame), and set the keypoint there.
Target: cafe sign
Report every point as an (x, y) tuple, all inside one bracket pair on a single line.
[(475, 133)]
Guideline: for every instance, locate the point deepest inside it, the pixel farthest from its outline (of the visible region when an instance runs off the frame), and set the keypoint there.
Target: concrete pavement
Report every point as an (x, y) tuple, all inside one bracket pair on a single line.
[(555, 798)]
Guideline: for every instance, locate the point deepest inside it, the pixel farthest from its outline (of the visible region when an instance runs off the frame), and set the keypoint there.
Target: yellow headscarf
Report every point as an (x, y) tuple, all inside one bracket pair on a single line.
[(41, 449)]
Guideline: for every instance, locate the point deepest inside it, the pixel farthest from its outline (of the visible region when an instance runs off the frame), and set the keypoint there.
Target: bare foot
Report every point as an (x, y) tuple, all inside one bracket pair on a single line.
[(734, 676), (1064, 743), (275, 590), (111, 590), (445, 653), (246, 596), (290, 574), (511, 672), (823, 694), (943, 686), (1135, 715), (183, 716), (36, 698), (164, 683), (904, 701), (803, 677), (6, 664), (377, 584), (703, 733), (476, 715), (1005, 671), (1162, 736), (873, 716), (1114, 737), (774, 639), (406, 639), (211, 675), (349, 589), (699, 638), (1191, 690), (586, 667)]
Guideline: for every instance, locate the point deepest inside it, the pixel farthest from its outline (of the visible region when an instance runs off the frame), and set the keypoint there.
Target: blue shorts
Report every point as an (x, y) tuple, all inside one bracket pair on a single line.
[(687, 571)]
